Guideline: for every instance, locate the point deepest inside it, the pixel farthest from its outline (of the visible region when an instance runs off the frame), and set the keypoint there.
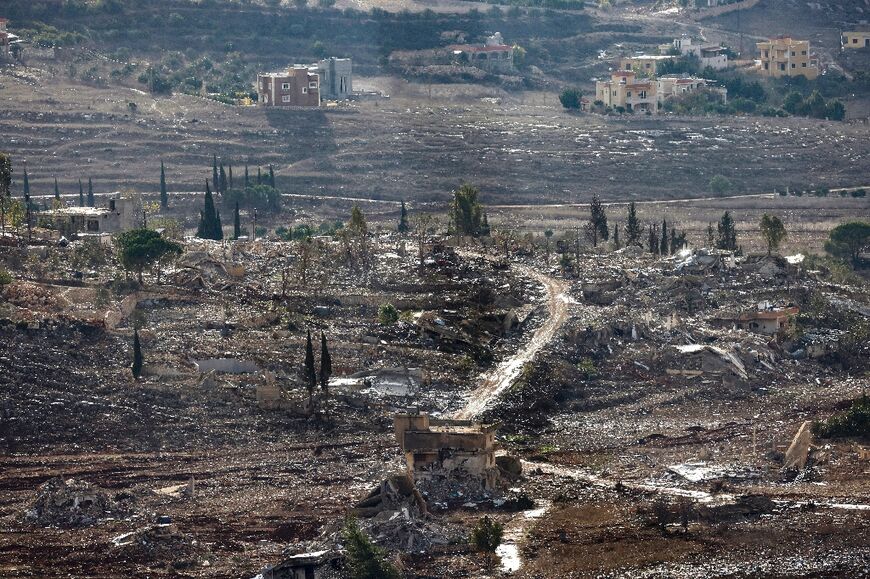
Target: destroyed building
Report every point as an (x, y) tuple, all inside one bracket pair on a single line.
[(440, 449)]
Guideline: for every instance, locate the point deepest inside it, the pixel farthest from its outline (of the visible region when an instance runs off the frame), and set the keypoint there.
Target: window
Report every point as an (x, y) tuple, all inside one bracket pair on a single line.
[(803, 65), (93, 225), (285, 98), (304, 90), (628, 94), (781, 66), (804, 52), (312, 84), (793, 65), (285, 85), (642, 94), (854, 41), (793, 53), (766, 66), (766, 53)]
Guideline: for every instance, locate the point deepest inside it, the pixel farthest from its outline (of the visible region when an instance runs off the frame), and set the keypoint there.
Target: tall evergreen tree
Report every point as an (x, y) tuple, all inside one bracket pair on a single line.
[(711, 236), (271, 176), (56, 189), (727, 238), (597, 229), (310, 373), (164, 196), (81, 195), (259, 177), (231, 176), (325, 364), (247, 180), (616, 236), (484, 225), (403, 219), (653, 244), (664, 244), (222, 179), (209, 219), (214, 172), (237, 223), (633, 228), (90, 192), (137, 355), (26, 184)]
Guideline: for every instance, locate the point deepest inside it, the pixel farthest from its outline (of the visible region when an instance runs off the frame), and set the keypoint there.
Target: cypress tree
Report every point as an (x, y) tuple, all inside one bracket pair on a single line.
[(616, 235), (137, 355), (325, 364), (214, 172), (81, 195), (247, 181), (231, 176), (653, 238), (403, 219), (90, 193), (222, 184), (597, 221), (310, 374), (663, 245), (209, 219), (271, 176), (164, 197), (56, 190), (633, 228), (727, 230), (259, 177), (26, 184), (237, 223), (673, 248)]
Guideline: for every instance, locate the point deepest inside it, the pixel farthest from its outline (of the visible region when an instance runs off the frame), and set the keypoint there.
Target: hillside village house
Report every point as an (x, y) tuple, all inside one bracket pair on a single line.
[(9, 42), (857, 38), (298, 87), (713, 56), (647, 95), (336, 77), (493, 56), (785, 56), (644, 64), (116, 216)]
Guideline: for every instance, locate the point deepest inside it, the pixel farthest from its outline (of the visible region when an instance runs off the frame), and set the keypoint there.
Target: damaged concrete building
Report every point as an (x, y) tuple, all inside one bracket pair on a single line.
[(447, 448)]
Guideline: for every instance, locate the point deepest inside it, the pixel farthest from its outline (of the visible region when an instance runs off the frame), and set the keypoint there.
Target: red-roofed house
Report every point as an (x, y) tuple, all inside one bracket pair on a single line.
[(494, 55)]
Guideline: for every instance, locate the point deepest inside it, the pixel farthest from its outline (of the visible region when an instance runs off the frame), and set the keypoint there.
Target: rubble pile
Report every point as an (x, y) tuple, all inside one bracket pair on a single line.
[(161, 544), (73, 503)]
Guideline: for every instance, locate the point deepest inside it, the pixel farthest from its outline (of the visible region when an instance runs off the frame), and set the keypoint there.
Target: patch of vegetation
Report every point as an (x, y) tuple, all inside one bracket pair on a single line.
[(854, 421)]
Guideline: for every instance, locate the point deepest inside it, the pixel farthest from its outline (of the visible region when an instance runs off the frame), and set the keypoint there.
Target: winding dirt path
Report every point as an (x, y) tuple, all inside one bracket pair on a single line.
[(502, 376)]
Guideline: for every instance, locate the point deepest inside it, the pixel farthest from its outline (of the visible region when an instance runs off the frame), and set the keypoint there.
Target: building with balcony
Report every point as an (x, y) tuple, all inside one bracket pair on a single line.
[(785, 56)]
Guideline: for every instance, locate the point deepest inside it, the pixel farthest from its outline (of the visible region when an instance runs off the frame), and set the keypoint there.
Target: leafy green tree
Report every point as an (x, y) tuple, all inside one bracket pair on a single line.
[(403, 219), (486, 537), (325, 364), (237, 223), (365, 560), (793, 102), (56, 189), (773, 231), (849, 240), (720, 184), (90, 192), (209, 219), (633, 228), (164, 196), (597, 227), (388, 314), (310, 374), (137, 356), (141, 248), (466, 211), (836, 111), (727, 233), (570, 98)]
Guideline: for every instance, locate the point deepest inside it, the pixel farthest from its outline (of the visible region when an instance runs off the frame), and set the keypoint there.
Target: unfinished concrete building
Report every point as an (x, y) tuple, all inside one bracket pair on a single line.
[(336, 78), (447, 448)]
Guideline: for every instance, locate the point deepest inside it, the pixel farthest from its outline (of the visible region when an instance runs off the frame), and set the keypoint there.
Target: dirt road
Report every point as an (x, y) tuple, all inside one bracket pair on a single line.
[(500, 378)]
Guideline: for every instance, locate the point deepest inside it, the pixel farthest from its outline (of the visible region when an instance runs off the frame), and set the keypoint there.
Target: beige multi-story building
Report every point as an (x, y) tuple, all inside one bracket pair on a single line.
[(298, 87), (857, 38), (645, 64), (648, 95), (785, 56)]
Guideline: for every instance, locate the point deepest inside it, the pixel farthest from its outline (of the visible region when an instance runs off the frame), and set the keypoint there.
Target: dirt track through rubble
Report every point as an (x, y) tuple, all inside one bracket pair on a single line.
[(502, 376)]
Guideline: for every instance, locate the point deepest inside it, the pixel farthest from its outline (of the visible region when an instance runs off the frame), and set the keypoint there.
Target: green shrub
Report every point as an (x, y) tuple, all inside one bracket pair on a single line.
[(853, 422), (388, 314), (5, 277)]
